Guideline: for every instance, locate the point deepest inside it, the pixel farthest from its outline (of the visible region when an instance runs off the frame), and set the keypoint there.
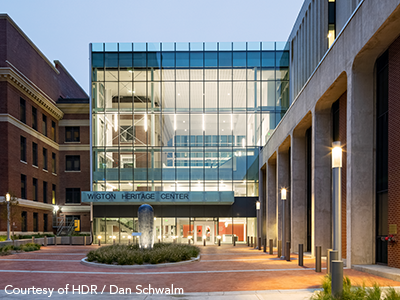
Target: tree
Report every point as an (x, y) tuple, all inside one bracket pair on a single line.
[(15, 215)]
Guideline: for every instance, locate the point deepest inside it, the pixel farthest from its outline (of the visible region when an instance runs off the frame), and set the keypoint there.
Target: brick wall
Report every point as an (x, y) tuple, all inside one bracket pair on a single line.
[(343, 140), (394, 146)]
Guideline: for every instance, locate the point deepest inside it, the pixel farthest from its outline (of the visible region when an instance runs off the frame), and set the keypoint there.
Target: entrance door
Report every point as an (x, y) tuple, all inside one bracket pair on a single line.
[(203, 229)]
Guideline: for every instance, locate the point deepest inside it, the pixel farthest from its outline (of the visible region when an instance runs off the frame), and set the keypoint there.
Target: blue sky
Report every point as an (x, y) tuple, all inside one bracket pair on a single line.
[(63, 29)]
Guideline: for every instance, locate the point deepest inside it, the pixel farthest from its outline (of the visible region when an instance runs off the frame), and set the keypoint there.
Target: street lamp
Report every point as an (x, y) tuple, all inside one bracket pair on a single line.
[(99, 239), (258, 224), (8, 197), (114, 238), (337, 265), (283, 198)]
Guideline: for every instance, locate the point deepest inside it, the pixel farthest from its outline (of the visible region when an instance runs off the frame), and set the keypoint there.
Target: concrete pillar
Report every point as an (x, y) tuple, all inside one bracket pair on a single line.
[(272, 229), (262, 198), (321, 186), (282, 164), (298, 193), (360, 161)]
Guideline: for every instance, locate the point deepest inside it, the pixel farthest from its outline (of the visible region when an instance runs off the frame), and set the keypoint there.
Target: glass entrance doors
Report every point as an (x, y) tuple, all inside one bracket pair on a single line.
[(203, 230)]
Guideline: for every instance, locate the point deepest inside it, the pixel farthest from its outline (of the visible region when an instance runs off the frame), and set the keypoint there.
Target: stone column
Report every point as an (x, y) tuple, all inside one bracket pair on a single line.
[(272, 230), (321, 186), (360, 162), (298, 193), (283, 182)]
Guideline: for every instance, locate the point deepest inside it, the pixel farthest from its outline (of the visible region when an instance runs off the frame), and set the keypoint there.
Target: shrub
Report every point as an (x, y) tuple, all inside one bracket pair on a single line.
[(354, 292), (132, 255), (6, 250)]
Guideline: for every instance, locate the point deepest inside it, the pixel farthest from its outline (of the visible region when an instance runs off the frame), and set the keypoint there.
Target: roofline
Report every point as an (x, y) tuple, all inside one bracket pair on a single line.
[(11, 21), (57, 62)]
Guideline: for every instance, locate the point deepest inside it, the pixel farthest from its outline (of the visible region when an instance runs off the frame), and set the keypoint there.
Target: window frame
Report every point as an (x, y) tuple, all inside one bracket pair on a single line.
[(74, 194), (45, 165), (70, 161), (72, 130), (23, 148), (44, 125), (22, 110)]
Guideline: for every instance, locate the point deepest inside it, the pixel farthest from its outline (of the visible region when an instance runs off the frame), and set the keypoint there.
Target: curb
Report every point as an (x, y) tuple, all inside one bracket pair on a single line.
[(144, 266)]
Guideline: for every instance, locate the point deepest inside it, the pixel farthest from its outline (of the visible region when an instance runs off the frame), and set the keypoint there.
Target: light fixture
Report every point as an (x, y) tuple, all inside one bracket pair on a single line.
[(226, 224), (175, 122), (56, 208), (258, 205), (204, 237), (8, 197), (222, 129), (189, 237), (219, 237), (114, 237), (336, 155), (99, 237), (129, 237), (115, 122), (283, 194)]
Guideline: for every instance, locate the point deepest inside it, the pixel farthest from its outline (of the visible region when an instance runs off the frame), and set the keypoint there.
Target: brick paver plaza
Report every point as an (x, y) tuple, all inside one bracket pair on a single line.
[(224, 268)]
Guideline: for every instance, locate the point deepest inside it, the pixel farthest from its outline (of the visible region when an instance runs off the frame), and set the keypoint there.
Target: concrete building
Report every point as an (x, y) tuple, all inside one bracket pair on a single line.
[(344, 86), (39, 104)]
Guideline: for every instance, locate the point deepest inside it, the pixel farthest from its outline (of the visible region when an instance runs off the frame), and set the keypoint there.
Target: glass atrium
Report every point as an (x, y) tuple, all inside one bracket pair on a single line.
[(184, 116)]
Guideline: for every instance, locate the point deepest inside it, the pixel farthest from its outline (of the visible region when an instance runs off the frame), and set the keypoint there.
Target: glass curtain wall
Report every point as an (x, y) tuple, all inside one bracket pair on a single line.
[(184, 116)]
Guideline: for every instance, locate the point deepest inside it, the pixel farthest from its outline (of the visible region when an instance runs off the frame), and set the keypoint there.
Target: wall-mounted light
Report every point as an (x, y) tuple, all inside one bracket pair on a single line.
[(258, 205), (283, 194), (336, 155)]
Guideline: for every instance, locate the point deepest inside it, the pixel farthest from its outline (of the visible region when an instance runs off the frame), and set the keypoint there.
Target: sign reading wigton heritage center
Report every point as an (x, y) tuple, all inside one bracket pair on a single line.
[(162, 197)]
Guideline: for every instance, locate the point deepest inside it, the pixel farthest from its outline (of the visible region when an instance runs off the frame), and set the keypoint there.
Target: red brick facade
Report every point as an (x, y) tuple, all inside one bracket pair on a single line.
[(394, 146), (28, 75)]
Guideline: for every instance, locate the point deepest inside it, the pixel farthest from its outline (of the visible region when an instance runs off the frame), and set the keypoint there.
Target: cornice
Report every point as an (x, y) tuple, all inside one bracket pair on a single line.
[(26, 86)]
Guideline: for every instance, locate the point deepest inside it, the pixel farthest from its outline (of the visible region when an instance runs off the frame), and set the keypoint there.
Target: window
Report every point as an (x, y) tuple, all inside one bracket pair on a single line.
[(23, 149), (44, 125), (35, 222), (127, 133), (22, 110), (24, 221), (44, 192), (53, 163), (34, 118), (73, 195), (53, 194), (72, 163), (45, 217), (23, 186), (53, 130), (72, 134), (35, 189), (34, 154), (44, 159)]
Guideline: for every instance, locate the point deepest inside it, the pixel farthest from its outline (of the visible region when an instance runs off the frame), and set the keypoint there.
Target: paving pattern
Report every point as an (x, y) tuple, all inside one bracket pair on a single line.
[(224, 268)]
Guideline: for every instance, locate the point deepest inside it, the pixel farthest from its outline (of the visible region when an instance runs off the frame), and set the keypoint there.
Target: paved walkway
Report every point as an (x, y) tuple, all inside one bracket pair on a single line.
[(239, 270)]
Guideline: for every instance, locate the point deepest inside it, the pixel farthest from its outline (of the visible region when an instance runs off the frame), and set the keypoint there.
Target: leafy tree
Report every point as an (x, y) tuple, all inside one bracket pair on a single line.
[(15, 215)]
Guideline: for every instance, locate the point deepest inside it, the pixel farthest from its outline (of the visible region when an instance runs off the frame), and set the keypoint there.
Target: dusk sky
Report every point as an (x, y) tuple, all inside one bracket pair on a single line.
[(62, 29)]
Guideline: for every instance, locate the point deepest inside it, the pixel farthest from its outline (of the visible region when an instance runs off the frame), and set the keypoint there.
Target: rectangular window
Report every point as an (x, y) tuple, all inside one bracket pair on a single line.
[(24, 221), (44, 125), (45, 217), (53, 163), (72, 134), (22, 110), (35, 189), (34, 118), (72, 163), (44, 192), (53, 130), (73, 195), (53, 194), (44, 159), (35, 222), (23, 186), (34, 154), (23, 148)]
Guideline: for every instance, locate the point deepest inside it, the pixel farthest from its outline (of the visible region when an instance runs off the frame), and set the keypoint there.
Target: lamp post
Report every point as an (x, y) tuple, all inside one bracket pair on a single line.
[(336, 266), (283, 198), (337, 197), (99, 240), (258, 222), (8, 197)]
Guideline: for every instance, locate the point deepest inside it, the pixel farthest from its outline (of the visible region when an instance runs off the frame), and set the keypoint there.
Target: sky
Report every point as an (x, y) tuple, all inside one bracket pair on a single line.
[(63, 29)]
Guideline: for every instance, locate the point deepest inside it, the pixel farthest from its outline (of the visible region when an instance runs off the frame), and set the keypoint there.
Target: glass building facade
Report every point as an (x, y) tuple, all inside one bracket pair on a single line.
[(184, 116)]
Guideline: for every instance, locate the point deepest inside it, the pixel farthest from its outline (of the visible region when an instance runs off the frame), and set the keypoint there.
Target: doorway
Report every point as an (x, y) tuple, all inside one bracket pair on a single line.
[(203, 229)]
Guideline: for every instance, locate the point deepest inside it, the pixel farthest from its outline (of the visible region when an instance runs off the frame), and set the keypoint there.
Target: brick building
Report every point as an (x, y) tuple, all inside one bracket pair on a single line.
[(40, 105)]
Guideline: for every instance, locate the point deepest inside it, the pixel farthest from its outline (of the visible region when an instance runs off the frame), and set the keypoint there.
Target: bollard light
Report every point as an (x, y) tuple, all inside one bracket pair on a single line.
[(114, 237), (283, 198), (8, 198), (204, 240), (129, 239), (219, 240), (99, 239), (189, 238)]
